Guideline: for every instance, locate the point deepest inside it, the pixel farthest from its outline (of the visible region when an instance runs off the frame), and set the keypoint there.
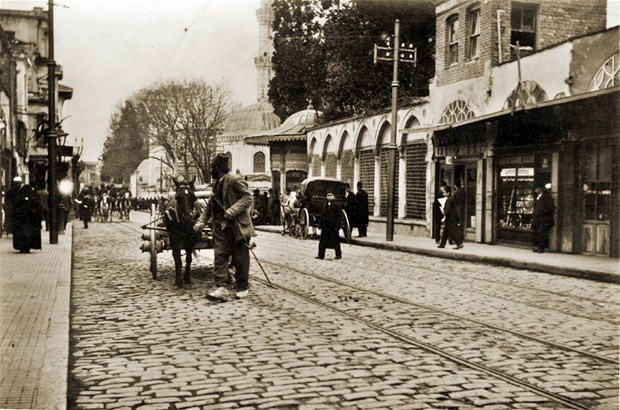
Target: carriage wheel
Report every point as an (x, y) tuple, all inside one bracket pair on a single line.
[(153, 246), (304, 223), (346, 226)]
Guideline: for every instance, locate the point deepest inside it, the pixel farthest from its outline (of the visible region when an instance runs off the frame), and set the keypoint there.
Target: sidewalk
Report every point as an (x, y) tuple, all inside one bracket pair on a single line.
[(597, 268), (35, 291)]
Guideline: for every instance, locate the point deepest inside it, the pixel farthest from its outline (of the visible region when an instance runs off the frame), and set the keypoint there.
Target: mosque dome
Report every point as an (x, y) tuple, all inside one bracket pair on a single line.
[(252, 118)]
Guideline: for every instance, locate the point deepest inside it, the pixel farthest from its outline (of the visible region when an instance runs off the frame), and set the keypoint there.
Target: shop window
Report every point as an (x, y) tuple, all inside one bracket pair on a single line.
[(516, 197), (473, 28), (452, 40), (597, 185), (523, 29)]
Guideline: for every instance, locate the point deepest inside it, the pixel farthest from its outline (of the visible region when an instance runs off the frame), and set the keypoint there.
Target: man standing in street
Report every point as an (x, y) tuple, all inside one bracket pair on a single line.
[(451, 220), (362, 211), (330, 226), (542, 218), (229, 211)]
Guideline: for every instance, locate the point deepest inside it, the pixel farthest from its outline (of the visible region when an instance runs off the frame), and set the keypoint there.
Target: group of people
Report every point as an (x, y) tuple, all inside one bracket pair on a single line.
[(356, 208), (449, 209), (266, 207)]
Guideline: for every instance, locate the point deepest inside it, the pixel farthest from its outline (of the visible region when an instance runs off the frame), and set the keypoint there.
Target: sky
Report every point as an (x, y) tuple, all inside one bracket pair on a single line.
[(110, 49)]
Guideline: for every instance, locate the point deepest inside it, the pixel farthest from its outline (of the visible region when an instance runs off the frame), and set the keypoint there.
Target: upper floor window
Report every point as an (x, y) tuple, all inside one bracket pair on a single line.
[(259, 162), (473, 28), (523, 28), (453, 42)]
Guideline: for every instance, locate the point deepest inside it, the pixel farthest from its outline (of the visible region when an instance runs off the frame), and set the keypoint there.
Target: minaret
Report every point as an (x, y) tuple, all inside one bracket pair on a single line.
[(264, 15)]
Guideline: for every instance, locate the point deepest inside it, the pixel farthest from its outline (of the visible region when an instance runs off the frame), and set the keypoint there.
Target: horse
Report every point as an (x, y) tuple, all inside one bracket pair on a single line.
[(123, 205), (179, 222), (104, 208)]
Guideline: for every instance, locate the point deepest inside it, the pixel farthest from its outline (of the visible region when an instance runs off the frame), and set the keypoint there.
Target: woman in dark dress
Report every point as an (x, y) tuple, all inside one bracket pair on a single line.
[(27, 218)]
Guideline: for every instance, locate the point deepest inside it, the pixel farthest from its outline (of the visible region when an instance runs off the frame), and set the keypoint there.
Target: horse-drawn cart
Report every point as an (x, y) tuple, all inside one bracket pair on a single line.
[(312, 199), (157, 239)]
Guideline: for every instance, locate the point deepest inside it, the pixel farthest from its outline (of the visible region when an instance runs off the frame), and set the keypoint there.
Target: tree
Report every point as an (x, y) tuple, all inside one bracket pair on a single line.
[(298, 58), (183, 118), (335, 39), (126, 145)]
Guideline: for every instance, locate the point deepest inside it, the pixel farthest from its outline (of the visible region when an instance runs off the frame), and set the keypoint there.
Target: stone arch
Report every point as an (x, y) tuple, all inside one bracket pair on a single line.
[(346, 155), (314, 158), (456, 111), (529, 92), (330, 157), (384, 135), (608, 75), (364, 140), (411, 122)]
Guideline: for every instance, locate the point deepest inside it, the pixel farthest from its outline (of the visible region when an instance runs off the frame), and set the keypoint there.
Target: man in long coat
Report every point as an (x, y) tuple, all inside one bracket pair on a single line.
[(542, 218), (229, 210), (330, 226), (27, 218), (362, 210)]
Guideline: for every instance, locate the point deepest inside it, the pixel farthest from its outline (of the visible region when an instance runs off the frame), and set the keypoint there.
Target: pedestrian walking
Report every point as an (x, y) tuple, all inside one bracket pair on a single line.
[(438, 215), (451, 223), (10, 203), (362, 211), (459, 201), (542, 218), (229, 211), (27, 218), (86, 205), (330, 225), (43, 198)]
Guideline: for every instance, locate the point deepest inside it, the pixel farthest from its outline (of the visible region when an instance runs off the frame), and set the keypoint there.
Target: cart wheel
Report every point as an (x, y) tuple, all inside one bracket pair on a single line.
[(346, 226), (304, 223)]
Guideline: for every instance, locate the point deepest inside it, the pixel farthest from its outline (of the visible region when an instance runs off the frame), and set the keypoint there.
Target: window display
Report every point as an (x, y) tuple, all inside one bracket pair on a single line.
[(516, 197)]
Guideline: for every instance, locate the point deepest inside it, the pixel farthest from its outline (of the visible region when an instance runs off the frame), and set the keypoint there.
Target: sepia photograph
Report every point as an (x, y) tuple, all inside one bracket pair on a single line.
[(309, 204)]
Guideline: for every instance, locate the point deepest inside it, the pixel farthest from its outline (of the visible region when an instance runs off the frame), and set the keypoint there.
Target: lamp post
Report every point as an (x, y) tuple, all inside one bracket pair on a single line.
[(51, 132), (394, 54)]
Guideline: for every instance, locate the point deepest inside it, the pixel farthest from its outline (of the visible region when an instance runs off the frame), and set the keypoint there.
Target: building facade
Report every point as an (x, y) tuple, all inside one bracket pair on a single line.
[(522, 96), (24, 57)]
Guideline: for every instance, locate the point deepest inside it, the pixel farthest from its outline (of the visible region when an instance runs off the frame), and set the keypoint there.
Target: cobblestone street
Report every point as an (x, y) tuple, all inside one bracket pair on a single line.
[(376, 330)]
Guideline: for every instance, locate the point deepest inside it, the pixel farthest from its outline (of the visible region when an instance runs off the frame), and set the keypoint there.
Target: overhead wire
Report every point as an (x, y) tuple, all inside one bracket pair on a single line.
[(185, 30)]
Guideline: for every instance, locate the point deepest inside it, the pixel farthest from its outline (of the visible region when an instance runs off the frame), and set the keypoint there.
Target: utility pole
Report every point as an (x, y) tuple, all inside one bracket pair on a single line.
[(51, 131), (395, 54)]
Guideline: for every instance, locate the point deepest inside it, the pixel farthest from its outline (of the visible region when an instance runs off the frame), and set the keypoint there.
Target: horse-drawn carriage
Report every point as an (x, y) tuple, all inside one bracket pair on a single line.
[(311, 200), (171, 228)]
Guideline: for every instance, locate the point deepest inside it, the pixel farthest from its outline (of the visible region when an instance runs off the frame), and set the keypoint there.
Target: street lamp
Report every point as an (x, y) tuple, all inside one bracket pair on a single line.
[(395, 54), (51, 131)]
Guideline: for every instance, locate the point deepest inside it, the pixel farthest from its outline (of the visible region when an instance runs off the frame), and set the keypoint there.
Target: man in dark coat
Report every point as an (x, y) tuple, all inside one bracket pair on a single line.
[(27, 218), (450, 230), (229, 211), (542, 218), (330, 226), (86, 205), (350, 206), (362, 210)]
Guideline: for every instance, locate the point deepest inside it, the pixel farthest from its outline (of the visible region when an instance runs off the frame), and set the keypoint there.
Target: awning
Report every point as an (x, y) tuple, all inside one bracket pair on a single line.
[(517, 110), (542, 123)]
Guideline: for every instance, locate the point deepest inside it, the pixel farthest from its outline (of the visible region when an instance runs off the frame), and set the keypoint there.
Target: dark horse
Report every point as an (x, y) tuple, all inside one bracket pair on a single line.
[(179, 222)]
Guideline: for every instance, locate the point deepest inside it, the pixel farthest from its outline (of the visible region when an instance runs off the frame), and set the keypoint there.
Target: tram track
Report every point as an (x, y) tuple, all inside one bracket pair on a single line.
[(318, 294), (441, 278), (366, 276), (399, 333)]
